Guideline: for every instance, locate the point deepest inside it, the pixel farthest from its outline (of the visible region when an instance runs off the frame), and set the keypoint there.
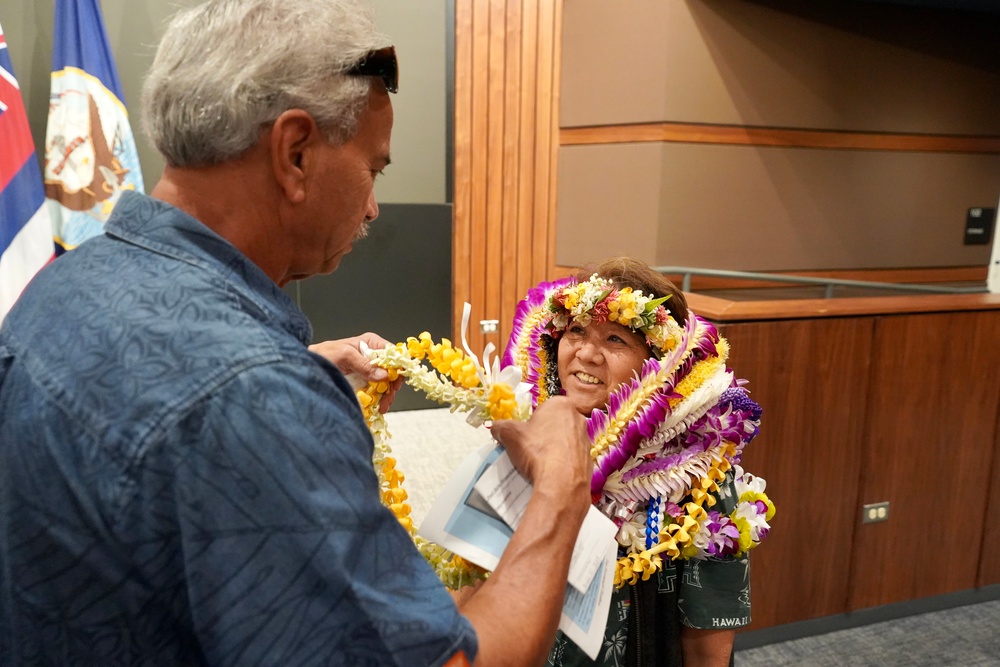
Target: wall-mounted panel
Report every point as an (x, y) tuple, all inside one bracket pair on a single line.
[(420, 32)]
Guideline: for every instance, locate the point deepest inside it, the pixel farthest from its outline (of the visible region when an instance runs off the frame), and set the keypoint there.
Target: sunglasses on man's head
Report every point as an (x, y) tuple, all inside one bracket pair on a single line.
[(381, 63)]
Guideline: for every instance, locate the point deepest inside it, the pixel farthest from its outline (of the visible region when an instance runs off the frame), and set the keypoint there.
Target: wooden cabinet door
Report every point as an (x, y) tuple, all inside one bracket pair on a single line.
[(811, 378), (929, 447)]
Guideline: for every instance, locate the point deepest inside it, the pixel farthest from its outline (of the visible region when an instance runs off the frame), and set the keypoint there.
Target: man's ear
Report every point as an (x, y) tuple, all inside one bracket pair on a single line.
[(293, 134)]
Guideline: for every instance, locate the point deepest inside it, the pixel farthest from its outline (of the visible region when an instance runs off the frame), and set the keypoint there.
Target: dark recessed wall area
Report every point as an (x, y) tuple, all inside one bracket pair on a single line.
[(397, 282)]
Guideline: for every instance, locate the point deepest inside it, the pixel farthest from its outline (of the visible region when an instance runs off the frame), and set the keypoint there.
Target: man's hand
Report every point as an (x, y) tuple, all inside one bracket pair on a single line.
[(346, 355), (553, 444)]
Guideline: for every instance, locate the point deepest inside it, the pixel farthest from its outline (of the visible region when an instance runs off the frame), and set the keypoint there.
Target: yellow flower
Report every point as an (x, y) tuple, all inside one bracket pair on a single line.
[(699, 496), (624, 573), (364, 398), (394, 495), (502, 404), (746, 541), (543, 394), (400, 509), (466, 375), (646, 564), (700, 372), (419, 347), (696, 512), (753, 496), (669, 546), (689, 551), (626, 305)]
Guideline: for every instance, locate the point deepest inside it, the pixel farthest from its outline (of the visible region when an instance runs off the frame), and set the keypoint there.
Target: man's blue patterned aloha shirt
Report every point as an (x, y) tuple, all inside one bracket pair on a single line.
[(182, 482)]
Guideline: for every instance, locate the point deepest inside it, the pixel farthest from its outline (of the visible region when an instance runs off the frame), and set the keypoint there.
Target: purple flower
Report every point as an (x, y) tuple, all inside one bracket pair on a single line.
[(532, 304), (724, 536), (740, 399)]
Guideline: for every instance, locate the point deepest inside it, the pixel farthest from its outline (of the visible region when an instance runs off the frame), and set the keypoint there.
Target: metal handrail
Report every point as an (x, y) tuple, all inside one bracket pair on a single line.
[(829, 283)]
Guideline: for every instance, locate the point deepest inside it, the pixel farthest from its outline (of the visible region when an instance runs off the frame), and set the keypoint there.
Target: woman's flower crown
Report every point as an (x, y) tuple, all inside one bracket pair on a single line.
[(599, 300)]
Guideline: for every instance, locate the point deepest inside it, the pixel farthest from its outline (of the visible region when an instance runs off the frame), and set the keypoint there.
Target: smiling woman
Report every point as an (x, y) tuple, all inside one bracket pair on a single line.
[(668, 422), (600, 351), (595, 359)]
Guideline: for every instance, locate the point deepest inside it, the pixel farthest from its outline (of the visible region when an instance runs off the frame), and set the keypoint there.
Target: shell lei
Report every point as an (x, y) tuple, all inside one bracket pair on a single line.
[(668, 438)]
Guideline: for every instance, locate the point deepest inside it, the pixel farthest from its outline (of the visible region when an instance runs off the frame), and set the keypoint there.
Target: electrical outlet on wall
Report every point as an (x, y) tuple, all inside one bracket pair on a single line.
[(875, 512)]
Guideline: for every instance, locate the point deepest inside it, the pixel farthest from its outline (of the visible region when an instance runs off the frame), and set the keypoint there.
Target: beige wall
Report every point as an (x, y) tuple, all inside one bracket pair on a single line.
[(870, 69), (750, 208), (134, 27)]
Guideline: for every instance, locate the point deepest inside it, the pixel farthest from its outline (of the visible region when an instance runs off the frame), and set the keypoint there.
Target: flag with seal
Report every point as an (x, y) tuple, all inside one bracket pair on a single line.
[(90, 152)]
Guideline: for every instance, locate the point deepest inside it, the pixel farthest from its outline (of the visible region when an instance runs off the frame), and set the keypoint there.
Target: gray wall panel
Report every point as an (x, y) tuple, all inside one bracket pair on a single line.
[(396, 283)]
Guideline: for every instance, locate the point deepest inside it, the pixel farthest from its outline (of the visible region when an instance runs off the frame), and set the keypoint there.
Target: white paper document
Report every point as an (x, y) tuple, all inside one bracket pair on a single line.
[(475, 516), (507, 493)]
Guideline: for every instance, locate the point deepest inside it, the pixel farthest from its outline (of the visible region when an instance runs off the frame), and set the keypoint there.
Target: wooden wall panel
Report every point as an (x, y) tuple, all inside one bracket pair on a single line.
[(480, 151), (461, 241), (989, 560), (506, 134), (552, 65), (511, 147), (928, 451), (526, 149), (811, 379), (495, 154), (757, 136)]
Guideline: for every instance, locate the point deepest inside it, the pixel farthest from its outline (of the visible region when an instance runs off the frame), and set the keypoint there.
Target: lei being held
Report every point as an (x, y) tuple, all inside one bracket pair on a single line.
[(666, 441)]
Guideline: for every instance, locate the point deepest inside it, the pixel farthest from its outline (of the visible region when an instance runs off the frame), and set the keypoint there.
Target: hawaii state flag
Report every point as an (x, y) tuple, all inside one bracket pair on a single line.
[(25, 232), (90, 154)]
